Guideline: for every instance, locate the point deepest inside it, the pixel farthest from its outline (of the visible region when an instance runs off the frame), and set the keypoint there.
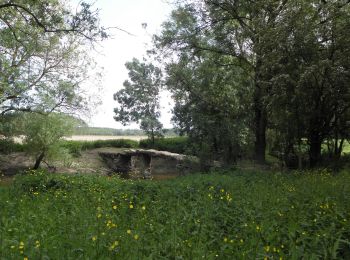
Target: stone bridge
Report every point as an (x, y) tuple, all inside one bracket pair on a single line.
[(148, 164)]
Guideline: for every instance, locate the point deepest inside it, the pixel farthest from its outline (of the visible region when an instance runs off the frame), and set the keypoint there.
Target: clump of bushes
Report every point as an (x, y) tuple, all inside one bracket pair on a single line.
[(76, 147), (174, 144), (9, 146), (39, 180)]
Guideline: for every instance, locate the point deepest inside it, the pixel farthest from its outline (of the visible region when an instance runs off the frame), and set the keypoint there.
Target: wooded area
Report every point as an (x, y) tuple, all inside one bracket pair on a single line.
[(247, 78), (250, 77)]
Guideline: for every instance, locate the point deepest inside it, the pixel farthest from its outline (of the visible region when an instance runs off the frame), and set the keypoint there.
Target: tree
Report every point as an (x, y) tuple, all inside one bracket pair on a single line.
[(43, 132), (42, 61), (240, 30), (310, 86), (210, 105), (293, 53), (52, 17), (138, 101)]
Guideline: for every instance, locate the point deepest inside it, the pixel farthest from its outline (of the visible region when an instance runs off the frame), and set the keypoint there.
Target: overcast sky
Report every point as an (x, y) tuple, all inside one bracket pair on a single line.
[(128, 15)]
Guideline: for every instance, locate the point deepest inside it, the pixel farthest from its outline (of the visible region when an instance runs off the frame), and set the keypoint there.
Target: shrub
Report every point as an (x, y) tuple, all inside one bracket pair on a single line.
[(9, 146), (39, 180), (174, 144), (75, 147), (117, 143)]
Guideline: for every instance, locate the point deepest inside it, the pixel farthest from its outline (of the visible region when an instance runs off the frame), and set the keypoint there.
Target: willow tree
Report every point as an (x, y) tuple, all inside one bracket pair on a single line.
[(42, 62)]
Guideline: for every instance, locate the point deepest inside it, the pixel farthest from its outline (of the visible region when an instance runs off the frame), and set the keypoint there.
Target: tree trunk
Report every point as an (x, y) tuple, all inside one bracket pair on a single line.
[(38, 161), (260, 136), (152, 137), (300, 156), (260, 116), (315, 150), (340, 148), (260, 122)]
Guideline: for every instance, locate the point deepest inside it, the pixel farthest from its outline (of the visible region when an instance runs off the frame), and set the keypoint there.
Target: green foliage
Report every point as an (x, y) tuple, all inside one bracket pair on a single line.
[(231, 215), (60, 149), (174, 144), (75, 147), (245, 67), (42, 59), (346, 149), (138, 101), (42, 134), (212, 89), (9, 146)]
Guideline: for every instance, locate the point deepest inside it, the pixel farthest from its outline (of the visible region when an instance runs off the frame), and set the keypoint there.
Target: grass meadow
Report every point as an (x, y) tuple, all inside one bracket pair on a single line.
[(226, 215)]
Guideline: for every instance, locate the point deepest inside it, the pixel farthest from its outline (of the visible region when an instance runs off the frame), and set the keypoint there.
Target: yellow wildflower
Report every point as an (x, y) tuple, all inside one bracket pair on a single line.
[(94, 238), (136, 237), (114, 245), (267, 248), (131, 206), (128, 231), (114, 206)]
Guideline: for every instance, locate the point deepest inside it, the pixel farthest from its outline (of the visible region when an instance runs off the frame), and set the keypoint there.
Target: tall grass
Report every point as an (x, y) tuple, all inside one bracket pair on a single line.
[(232, 215)]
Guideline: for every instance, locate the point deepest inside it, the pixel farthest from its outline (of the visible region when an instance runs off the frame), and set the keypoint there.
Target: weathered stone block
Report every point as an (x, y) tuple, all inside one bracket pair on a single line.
[(149, 163)]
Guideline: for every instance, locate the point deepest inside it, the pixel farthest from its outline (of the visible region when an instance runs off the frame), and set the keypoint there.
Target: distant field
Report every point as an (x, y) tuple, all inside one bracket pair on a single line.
[(105, 137)]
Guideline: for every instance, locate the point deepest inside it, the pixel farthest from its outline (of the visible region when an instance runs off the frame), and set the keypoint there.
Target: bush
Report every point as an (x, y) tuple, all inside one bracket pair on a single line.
[(174, 145), (117, 143), (39, 180), (9, 146), (75, 147)]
